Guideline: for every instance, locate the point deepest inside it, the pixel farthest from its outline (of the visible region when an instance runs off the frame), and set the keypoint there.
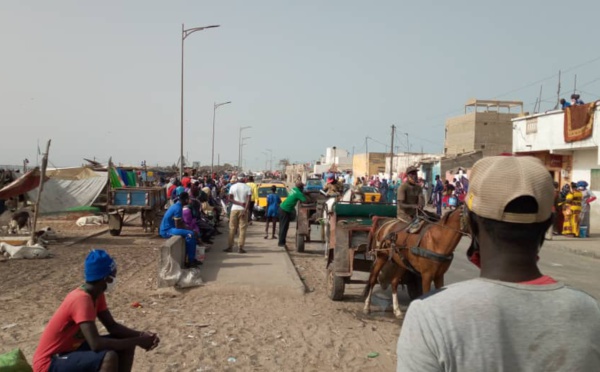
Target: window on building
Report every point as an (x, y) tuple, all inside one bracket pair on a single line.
[(595, 179), (531, 126)]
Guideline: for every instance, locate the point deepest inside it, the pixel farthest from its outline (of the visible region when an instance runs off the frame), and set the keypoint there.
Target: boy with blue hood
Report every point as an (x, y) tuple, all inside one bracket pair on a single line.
[(71, 342)]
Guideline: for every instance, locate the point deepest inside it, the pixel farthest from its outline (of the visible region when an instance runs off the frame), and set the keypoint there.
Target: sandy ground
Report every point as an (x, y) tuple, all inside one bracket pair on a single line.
[(203, 327)]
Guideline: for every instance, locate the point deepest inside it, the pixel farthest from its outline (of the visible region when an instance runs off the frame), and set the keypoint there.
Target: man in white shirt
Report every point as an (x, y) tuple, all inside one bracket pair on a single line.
[(512, 318), (239, 197)]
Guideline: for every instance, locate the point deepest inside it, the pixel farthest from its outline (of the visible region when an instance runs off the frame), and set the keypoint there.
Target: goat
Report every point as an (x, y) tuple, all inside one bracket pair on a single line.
[(16, 252), (92, 220), (18, 221)]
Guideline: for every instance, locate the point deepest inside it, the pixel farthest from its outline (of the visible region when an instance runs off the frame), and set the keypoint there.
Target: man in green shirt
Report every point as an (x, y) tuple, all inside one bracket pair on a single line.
[(287, 208)]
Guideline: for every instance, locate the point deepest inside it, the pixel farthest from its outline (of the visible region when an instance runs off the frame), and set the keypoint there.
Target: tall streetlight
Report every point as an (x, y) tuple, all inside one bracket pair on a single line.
[(242, 149), (184, 34), (212, 156), (270, 160), (240, 146), (266, 159)]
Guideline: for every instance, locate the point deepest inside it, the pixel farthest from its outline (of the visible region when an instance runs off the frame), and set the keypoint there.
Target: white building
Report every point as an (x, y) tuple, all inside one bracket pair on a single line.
[(340, 157), (544, 136), (405, 159)]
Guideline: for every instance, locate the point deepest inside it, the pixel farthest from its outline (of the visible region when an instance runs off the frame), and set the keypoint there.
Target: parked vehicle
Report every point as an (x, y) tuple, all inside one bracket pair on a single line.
[(314, 185), (371, 194), (264, 189)]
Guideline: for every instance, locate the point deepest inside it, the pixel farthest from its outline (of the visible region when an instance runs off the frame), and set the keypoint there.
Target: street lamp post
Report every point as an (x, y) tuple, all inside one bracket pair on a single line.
[(212, 156), (242, 149), (266, 159), (270, 160), (184, 34), (240, 146)]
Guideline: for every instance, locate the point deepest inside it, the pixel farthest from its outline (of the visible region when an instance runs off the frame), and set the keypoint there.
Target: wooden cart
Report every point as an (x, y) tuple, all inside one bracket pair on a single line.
[(309, 214), (348, 246), (148, 201)]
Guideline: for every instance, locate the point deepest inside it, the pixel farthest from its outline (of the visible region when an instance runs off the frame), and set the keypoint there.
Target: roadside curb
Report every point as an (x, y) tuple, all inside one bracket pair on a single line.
[(297, 278)]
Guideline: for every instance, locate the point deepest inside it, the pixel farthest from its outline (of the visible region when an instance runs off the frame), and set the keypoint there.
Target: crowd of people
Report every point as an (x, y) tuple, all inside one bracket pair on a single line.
[(507, 232), (572, 209), (575, 100)]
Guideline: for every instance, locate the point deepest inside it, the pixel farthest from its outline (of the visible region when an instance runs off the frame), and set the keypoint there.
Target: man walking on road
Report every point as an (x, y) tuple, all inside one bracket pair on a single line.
[(239, 196), (254, 197), (437, 194), (286, 211), (512, 318)]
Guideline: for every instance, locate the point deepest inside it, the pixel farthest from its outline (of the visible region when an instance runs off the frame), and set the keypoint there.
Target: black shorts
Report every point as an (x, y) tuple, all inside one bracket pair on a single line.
[(82, 359)]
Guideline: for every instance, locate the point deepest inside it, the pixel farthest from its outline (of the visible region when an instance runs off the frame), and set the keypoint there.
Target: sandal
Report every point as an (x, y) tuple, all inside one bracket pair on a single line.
[(241, 250), (228, 250), (266, 236)]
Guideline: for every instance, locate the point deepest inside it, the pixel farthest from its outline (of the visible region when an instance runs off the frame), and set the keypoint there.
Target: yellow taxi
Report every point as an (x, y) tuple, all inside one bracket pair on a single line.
[(264, 189), (370, 194)]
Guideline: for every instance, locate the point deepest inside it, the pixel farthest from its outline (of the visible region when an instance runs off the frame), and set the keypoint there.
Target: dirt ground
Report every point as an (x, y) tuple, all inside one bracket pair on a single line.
[(204, 327)]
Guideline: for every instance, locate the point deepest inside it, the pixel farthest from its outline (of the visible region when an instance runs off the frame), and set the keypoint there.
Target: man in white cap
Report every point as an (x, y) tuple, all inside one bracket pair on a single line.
[(512, 318), (239, 196)]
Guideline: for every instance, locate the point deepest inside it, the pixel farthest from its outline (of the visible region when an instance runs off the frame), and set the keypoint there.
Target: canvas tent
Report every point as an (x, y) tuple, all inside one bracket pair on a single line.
[(69, 188), (64, 188)]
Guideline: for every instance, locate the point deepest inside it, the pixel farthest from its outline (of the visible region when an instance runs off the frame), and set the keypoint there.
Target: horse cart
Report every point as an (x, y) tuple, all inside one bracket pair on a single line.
[(148, 201), (309, 214), (348, 246)]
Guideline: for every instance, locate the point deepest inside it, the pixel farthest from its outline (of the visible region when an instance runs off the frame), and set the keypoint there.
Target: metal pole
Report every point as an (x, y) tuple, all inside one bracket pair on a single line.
[(367, 156), (392, 153), (240, 149), (212, 156), (181, 129), (36, 211)]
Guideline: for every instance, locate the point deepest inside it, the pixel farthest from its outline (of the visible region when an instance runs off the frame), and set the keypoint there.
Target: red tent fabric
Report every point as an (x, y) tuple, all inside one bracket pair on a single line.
[(25, 183)]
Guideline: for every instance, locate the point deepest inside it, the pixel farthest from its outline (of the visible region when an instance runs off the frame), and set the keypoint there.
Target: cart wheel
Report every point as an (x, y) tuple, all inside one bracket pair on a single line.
[(115, 224), (415, 288), (299, 243), (335, 286)]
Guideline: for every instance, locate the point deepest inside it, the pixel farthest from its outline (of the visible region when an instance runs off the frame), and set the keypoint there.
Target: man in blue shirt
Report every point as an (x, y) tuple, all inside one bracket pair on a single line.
[(172, 224)]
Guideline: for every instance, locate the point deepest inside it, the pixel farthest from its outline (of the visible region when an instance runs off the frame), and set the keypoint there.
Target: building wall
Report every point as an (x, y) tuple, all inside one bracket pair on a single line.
[(489, 132), (369, 164), (546, 132), (460, 134), (493, 133)]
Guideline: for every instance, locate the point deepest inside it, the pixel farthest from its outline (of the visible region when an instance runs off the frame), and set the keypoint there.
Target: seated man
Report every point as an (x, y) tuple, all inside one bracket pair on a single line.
[(410, 197), (172, 224), (70, 341), (331, 188)]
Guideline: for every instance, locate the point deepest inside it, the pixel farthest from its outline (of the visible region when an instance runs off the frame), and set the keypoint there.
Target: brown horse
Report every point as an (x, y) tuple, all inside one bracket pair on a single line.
[(428, 252)]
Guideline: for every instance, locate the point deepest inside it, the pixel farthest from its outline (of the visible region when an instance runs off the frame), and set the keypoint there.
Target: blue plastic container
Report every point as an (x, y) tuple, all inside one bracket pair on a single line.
[(583, 231)]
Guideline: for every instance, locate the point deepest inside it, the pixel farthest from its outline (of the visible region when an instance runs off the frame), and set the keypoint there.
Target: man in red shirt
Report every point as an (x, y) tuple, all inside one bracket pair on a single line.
[(71, 342)]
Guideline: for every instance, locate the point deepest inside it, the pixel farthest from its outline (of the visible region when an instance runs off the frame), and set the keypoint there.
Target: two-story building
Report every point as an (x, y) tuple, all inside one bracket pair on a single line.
[(570, 153)]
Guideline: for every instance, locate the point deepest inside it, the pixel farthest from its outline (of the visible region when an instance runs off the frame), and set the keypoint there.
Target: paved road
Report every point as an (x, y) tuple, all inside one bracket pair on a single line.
[(577, 271)]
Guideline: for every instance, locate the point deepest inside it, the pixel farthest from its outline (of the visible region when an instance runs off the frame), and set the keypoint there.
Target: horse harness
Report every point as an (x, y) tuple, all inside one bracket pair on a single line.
[(417, 250)]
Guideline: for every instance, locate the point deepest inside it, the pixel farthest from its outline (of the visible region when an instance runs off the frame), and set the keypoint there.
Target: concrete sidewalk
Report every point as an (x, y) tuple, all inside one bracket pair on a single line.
[(589, 247), (265, 266)]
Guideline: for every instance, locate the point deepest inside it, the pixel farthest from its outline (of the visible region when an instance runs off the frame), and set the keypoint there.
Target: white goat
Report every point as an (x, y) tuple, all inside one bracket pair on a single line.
[(34, 251)]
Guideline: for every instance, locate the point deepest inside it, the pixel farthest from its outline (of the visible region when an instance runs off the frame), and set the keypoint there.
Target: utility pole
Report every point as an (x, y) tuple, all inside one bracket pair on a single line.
[(575, 85), (392, 153), (558, 93), (367, 156), (407, 149)]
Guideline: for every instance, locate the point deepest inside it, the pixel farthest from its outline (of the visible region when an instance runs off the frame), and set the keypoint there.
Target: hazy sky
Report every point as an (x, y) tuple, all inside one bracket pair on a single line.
[(102, 78)]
